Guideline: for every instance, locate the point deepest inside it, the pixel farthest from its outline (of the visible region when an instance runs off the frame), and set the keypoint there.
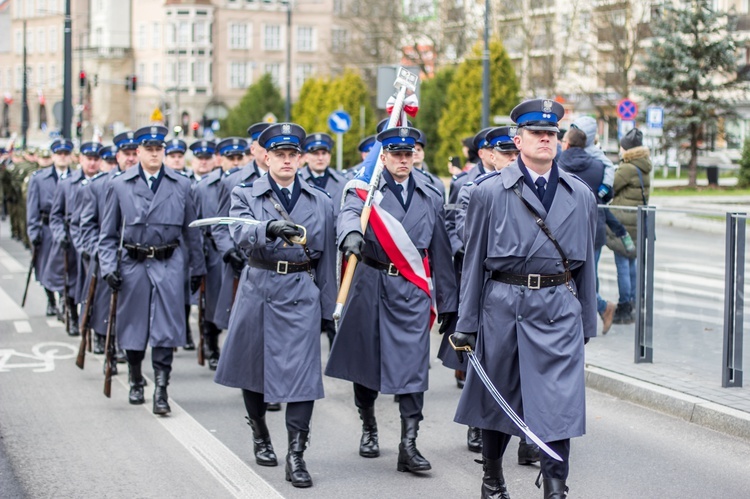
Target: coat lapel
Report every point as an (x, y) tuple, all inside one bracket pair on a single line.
[(165, 191), (389, 202), (562, 206)]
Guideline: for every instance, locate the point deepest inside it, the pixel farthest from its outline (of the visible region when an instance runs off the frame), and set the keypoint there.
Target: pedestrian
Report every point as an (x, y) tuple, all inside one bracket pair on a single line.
[(631, 188), (528, 301), (153, 206), (589, 127), (48, 259), (272, 350), (383, 341)]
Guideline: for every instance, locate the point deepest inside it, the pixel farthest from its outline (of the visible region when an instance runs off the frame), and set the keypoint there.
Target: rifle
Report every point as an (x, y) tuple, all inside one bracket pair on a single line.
[(201, 320), (28, 275), (109, 342), (86, 317), (66, 289)]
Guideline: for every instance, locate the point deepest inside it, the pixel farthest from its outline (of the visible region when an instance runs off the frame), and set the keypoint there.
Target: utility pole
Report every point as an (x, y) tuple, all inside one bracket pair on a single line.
[(486, 68), (288, 102), (83, 81), (178, 114), (67, 112), (24, 103)]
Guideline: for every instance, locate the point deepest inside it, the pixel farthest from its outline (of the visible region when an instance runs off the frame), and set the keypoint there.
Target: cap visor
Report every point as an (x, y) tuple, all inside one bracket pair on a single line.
[(285, 146), (545, 128)]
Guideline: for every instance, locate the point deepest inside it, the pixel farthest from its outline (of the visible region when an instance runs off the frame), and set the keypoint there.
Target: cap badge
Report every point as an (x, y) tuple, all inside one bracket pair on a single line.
[(235, 142), (403, 132), (154, 131), (547, 106), (286, 129), (513, 130), (131, 135)]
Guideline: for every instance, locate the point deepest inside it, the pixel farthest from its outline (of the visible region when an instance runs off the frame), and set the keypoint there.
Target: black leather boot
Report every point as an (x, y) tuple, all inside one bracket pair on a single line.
[(161, 404), (211, 349), (528, 453), (136, 385), (73, 322), (554, 488), (460, 378), (474, 439), (409, 458), (493, 481), (99, 342), (274, 407), (368, 444), (120, 356), (262, 448), (51, 304), (296, 469), (622, 314)]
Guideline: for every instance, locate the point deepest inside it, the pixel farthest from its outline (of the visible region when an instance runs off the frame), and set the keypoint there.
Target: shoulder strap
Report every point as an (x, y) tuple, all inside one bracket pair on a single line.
[(640, 178)]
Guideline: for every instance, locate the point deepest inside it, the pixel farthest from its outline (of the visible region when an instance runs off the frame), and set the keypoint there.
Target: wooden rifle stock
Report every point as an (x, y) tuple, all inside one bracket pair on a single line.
[(201, 319), (66, 290), (85, 318), (28, 275), (109, 345)]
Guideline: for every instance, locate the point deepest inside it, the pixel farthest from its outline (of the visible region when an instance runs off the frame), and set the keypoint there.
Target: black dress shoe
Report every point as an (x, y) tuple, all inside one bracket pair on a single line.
[(120, 356), (275, 407), (51, 310), (528, 453), (474, 439)]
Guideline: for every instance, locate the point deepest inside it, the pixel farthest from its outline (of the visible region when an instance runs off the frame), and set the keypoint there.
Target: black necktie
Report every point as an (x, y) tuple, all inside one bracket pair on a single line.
[(152, 180), (287, 195), (400, 192), (541, 184)]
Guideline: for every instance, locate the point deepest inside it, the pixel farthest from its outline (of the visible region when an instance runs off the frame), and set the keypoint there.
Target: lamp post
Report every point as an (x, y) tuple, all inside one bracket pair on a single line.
[(67, 111), (288, 100), (486, 68), (24, 98)]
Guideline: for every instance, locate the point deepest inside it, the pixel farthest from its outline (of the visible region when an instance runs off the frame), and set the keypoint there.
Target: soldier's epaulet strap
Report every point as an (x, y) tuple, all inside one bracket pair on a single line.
[(435, 189), (462, 174), (485, 176), (35, 172), (246, 184), (119, 173), (423, 172), (321, 190), (98, 175)]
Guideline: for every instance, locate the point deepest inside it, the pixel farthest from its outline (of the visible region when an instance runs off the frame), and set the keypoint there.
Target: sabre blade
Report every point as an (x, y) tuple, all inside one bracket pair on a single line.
[(222, 221), (508, 409)]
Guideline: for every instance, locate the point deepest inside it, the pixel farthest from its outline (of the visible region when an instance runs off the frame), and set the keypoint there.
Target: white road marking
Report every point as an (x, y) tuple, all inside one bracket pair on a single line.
[(54, 323), (228, 469), (40, 360), (10, 263), (9, 309), (22, 326)]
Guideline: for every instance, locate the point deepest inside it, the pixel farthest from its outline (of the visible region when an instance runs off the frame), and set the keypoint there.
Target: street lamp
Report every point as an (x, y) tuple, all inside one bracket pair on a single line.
[(486, 68), (288, 101), (67, 111)]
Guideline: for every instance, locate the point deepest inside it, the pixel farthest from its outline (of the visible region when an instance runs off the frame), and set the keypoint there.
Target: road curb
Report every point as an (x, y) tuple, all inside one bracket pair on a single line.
[(687, 407)]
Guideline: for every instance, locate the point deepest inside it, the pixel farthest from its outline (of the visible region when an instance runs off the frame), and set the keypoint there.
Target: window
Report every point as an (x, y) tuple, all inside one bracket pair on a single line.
[(30, 41), (302, 73), (99, 37), (141, 73), (156, 35), (338, 7), (156, 73), (275, 71), (238, 36), (142, 36), (52, 79), (41, 36), (41, 80), (200, 36), (199, 73), (238, 75), (305, 39), (182, 73), (18, 45), (272, 37), (339, 40), (53, 40), (29, 76), (183, 34), (19, 76)]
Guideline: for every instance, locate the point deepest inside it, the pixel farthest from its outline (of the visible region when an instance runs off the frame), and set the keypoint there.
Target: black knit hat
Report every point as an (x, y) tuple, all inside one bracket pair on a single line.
[(634, 138)]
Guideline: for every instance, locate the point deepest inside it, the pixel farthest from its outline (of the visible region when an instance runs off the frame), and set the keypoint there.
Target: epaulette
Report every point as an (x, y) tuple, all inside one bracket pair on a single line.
[(243, 184), (34, 173), (435, 189), (423, 172), (462, 174), (485, 176), (119, 173), (85, 182), (321, 190), (98, 175)]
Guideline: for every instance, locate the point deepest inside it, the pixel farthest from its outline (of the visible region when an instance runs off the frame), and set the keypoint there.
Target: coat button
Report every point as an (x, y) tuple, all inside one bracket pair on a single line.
[(295, 302), (273, 275), (252, 239), (520, 318), (268, 300), (297, 279), (552, 290)]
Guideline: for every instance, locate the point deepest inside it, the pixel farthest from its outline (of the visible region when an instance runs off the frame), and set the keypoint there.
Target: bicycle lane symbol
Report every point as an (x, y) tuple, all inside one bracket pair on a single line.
[(40, 360)]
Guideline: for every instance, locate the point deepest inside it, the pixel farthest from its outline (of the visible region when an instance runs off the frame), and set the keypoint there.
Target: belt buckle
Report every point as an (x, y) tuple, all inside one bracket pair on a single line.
[(151, 252), (282, 267), (392, 270), (531, 278)]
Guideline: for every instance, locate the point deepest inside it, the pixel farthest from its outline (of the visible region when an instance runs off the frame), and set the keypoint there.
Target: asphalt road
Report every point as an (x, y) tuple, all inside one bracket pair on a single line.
[(62, 438)]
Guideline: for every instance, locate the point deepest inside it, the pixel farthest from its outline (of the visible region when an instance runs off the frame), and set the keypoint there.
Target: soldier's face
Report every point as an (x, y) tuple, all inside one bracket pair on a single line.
[(319, 160), (259, 155), (282, 165), (107, 165), (536, 146), (62, 159), (175, 161), (233, 161), (203, 165), (90, 165), (503, 158), (398, 163), (45, 162), (127, 158), (418, 156), (151, 157)]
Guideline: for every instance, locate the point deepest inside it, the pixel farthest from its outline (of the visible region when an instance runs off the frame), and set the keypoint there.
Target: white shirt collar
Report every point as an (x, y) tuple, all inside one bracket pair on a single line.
[(534, 175)]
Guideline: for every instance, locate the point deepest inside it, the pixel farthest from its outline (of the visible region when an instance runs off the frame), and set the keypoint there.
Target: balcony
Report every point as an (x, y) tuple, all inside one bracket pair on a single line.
[(611, 34)]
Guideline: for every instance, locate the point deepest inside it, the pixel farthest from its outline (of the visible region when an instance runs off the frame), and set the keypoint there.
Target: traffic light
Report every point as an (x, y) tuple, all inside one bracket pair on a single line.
[(127, 83), (79, 129), (82, 78), (196, 128), (133, 83), (96, 80)]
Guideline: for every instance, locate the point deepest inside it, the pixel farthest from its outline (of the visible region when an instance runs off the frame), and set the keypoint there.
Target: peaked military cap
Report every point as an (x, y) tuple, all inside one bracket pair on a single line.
[(366, 144), (254, 131), (45, 153), (151, 135), (383, 123), (399, 139), (175, 145), (317, 142), (282, 136), (538, 114), (502, 138), (203, 148), (125, 141), (421, 140), (108, 153), (479, 141), (233, 146), (92, 149), (60, 145)]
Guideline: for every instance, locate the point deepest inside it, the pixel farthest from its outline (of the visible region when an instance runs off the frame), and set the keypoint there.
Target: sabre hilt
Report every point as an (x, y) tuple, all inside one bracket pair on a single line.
[(464, 348)]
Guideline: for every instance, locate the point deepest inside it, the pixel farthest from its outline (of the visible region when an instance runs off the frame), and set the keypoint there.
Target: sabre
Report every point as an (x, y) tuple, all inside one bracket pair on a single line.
[(501, 401), (301, 240)]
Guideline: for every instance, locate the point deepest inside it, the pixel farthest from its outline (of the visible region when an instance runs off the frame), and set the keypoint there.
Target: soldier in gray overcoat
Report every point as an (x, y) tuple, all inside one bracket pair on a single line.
[(153, 205), (383, 341), (272, 350), (42, 188), (526, 308)]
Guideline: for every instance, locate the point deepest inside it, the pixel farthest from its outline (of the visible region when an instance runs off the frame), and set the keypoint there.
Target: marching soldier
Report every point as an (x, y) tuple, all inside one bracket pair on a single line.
[(48, 259), (383, 342), (203, 162), (530, 229), (108, 156), (272, 349), (317, 148), (363, 147), (22, 176), (419, 164), (153, 206)]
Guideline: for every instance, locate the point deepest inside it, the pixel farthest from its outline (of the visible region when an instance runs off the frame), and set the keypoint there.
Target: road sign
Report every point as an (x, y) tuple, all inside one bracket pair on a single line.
[(655, 117), (627, 109), (624, 126), (269, 118), (339, 122), (156, 115)]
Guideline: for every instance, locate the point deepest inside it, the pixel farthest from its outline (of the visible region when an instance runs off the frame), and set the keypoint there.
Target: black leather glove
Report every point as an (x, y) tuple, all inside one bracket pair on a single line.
[(463, 339), (234, 258), (352, 245), (327, 325), (447, 322), (37, 241), (283, 229), (65, 243), (195, 283), (586, 340), (114, 280), (86, 257)]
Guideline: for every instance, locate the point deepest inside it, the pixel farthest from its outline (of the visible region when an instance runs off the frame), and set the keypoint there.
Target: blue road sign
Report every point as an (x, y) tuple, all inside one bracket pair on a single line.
[(624, 126), (339, 122), (655, 117), (627, 109)]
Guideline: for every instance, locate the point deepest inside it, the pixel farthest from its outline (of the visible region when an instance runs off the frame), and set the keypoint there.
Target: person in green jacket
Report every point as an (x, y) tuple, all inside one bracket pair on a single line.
[(631, 188)]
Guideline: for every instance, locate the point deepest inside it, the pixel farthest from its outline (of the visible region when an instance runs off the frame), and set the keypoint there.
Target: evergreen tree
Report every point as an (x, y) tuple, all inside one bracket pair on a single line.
[(743, 177), (462, 115), (690, 70), (310, 109), (433, 94), (261, 97)]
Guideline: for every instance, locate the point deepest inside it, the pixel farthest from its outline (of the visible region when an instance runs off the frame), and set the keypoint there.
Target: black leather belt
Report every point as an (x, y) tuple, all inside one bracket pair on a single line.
[(280, 267), (140, 253), (44, 216), (377, 264), (532, 281)]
